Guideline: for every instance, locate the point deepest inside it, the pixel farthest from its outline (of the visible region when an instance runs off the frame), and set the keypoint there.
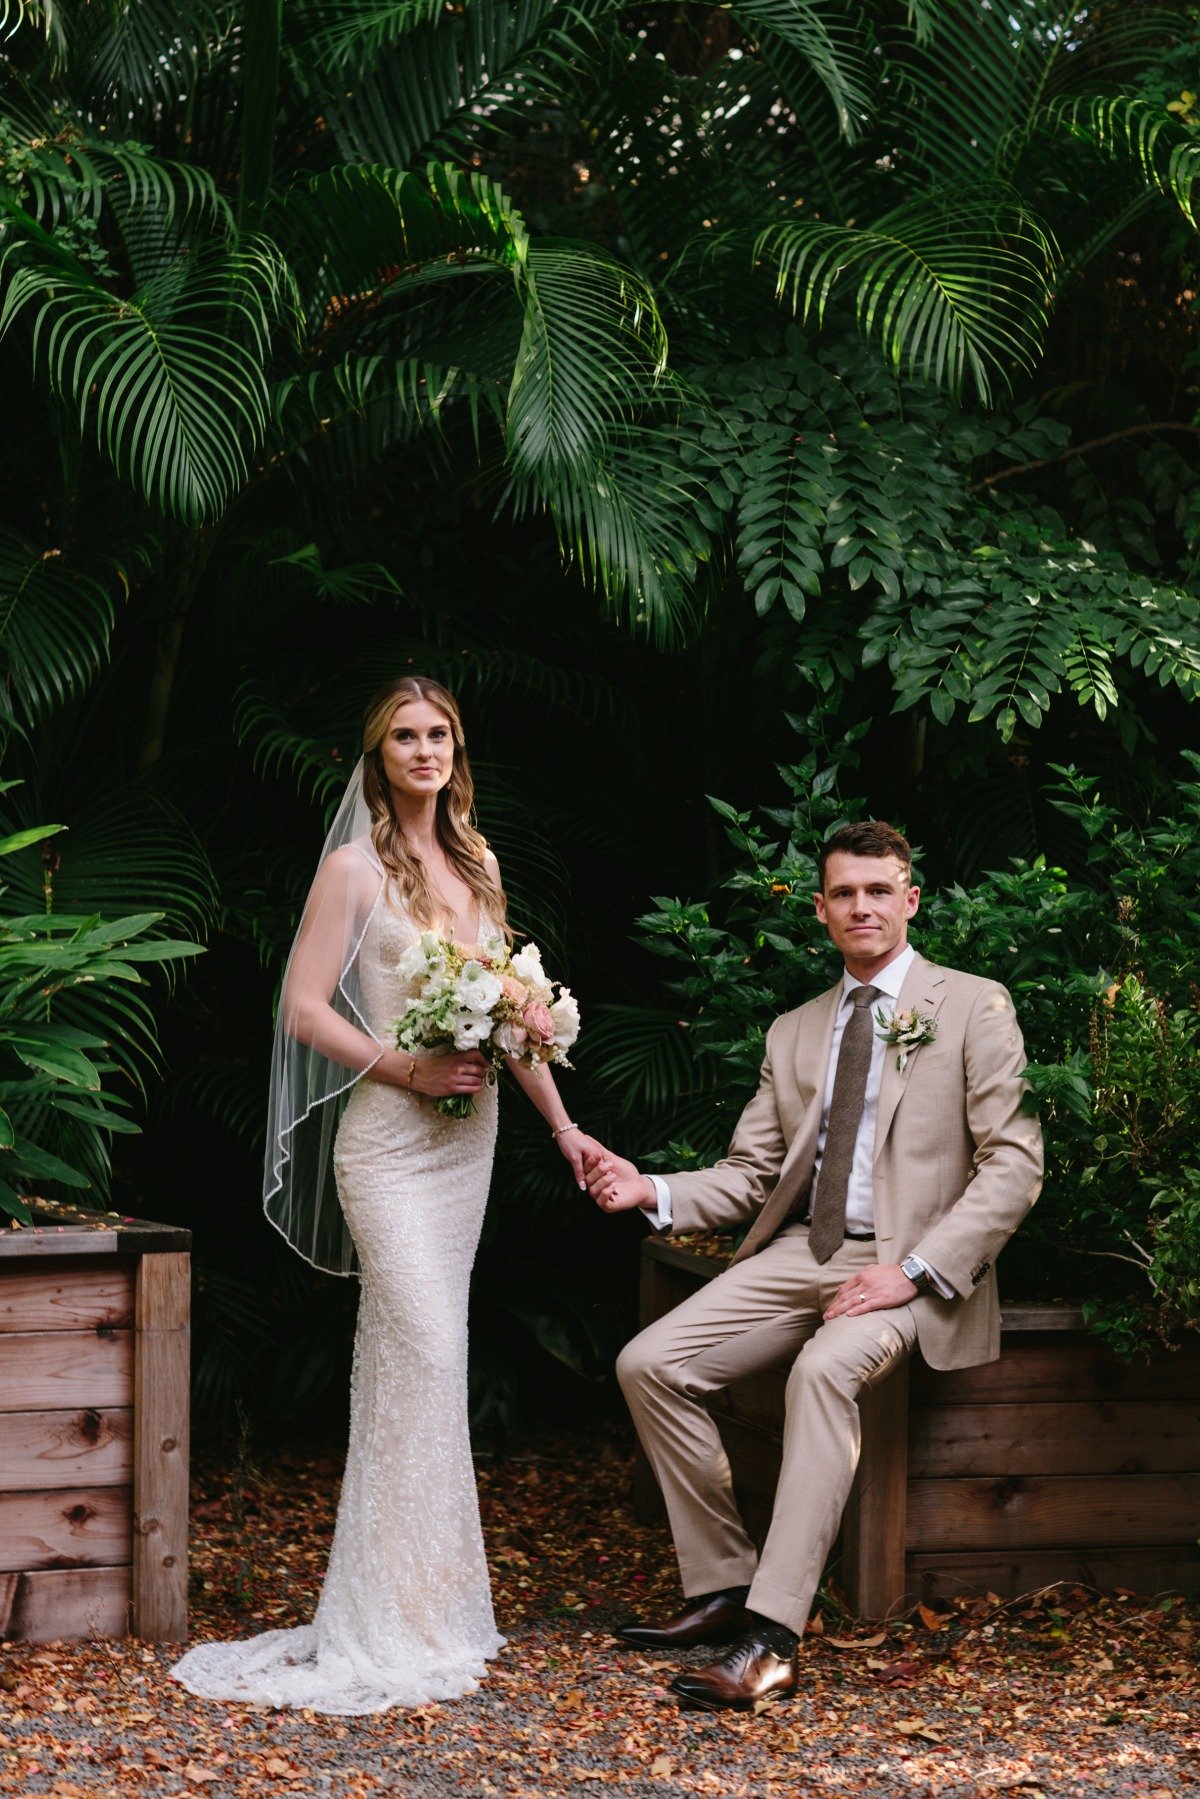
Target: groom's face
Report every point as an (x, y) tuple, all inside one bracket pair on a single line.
[(865, 906)]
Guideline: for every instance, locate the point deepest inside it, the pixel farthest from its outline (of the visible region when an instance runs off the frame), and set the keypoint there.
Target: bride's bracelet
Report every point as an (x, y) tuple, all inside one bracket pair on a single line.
[(408, 1079), (558, 1131)]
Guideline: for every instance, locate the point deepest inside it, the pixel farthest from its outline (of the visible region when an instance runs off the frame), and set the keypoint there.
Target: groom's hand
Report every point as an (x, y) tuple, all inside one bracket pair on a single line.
[(615, 1184), (876, 1288)]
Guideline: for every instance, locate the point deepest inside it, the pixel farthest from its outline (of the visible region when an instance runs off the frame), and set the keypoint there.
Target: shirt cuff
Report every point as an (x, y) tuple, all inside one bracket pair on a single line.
[(941, 1287), (659, 1214)]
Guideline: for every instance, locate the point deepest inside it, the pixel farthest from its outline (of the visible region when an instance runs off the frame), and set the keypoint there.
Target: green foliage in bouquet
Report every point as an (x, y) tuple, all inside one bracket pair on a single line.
[(1101, 967), (72, 1031)]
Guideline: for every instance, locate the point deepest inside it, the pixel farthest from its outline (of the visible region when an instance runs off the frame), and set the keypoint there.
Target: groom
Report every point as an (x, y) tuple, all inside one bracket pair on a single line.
[(880, 1178)]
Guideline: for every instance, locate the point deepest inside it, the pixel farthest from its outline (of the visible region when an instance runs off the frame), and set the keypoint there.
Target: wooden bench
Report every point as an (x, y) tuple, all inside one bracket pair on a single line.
[(1058, 1462), (94, 1383)]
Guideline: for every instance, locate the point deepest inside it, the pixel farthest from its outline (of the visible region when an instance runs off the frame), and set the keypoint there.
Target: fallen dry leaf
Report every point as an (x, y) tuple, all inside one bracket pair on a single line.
[(917, 1727), (859, 1642)]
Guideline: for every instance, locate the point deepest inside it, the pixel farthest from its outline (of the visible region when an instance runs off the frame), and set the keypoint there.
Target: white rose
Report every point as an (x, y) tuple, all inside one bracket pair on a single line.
[(477, 988), (471, 1029), (527, 966), (565, 1013)]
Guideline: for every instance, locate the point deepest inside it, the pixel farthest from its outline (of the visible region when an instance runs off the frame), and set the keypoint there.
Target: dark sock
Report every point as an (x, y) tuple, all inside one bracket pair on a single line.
[(777, 1637)]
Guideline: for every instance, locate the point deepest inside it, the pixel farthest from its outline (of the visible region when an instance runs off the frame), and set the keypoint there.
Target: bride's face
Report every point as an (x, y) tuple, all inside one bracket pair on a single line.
[(417, 750)]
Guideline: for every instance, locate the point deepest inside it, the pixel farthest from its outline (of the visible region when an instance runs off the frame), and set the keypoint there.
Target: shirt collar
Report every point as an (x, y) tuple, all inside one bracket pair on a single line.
[(889, 980)]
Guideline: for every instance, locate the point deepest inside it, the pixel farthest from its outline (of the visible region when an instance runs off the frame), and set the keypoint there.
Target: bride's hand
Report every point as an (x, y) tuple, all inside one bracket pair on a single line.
[(616, 1184), (437, 1076), (575, 1145)]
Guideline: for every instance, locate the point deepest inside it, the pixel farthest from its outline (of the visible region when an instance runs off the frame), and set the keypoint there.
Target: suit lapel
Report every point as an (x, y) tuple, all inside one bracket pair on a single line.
[(813, 1041), (924, 988)]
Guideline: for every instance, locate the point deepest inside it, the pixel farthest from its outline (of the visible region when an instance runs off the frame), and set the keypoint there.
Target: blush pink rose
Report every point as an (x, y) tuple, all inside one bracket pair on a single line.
[(513, 989), (538, 1022)]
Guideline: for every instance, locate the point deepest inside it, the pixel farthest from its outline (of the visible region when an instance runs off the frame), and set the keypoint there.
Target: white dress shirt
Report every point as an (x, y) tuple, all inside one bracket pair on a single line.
[(860, 1209)]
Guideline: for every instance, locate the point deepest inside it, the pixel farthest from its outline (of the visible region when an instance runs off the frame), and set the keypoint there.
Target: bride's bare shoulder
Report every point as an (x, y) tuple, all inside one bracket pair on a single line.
[(354, 865)]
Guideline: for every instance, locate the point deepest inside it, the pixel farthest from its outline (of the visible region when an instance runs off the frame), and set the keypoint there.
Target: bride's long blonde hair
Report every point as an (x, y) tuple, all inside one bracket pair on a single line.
[(465, 848)]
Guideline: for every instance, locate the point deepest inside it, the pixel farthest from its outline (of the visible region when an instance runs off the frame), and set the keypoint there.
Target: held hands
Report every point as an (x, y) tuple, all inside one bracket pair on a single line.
[(873, 1289), (614, 1183), (577, 1146)]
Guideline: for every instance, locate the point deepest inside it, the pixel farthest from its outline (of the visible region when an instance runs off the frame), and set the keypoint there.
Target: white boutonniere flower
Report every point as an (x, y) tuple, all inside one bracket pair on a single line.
[(905, 1031)]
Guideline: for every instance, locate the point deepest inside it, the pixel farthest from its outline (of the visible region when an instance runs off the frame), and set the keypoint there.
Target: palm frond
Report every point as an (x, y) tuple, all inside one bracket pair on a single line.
[(645, 1056), (954, 287), (637, 523), (138, 57), (592, 349), (1165, 155), (128, 851), (170, 377), (829, 39), (55, 624), (399, 83)]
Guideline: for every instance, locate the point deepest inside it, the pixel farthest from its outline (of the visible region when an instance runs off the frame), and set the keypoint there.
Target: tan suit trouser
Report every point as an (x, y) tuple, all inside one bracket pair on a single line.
[(763, 1313)]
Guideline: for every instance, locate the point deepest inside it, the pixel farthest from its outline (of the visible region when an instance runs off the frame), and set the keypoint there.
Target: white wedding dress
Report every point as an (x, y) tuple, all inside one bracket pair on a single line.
[(405, 1615)]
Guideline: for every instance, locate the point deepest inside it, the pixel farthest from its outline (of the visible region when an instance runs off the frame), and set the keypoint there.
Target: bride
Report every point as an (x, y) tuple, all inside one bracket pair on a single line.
[(395, 1192)]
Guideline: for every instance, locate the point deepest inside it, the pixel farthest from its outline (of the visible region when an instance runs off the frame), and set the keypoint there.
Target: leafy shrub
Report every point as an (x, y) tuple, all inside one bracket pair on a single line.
[(1100, 963), (68, 1025)]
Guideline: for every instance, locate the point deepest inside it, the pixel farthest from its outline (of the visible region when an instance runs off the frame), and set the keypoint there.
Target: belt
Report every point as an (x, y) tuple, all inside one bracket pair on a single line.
[(851, 1236)]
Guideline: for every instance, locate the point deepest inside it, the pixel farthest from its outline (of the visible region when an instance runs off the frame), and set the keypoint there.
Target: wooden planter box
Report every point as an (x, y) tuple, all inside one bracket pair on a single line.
[(1058, 1462), (94, 1377)]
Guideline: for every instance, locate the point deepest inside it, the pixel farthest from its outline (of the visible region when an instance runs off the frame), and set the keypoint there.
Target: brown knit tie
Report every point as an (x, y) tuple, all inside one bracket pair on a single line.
[(828, 1227)]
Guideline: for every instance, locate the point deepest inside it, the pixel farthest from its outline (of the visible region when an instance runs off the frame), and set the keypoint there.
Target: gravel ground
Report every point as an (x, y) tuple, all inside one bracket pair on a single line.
[(1062, 1694)]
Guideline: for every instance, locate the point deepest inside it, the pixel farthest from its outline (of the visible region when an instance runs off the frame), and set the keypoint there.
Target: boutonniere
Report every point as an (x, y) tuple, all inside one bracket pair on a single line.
[(905, 1031)]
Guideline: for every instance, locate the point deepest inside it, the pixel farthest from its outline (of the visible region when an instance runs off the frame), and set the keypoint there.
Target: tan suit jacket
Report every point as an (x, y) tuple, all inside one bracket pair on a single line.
[(957, 1161)]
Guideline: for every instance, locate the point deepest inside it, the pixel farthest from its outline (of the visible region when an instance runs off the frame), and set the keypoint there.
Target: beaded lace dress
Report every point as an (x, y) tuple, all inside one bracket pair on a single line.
[(405, 1615)]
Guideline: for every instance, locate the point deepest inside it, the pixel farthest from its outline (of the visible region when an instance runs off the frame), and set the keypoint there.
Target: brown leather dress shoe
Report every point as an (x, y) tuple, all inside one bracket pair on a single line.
[(746, 1674), (713, 1618)]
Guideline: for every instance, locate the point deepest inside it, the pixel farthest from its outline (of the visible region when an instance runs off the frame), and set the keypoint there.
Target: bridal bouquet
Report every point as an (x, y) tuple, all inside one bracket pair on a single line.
[(465, 996)]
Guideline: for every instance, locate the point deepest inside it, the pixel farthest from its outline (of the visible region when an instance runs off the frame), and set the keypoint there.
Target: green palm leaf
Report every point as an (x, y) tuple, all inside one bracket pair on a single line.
[(170, 377), (829, 39), (1165, 155), (592, 349), (953, 287), (55, 625), (124, 852)]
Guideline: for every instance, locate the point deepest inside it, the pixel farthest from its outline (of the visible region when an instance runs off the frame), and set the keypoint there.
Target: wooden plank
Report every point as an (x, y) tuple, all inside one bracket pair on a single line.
[(66, 1295), (85, 1527), (64, 1370), (1172, 1569), (1048, 1368), (1029, 1315), (873, 1524), (1045, 1511), (42, 1450), (56, 1240), (59, 1228), (161, 1401), (1142, 1436), (64, 1603)]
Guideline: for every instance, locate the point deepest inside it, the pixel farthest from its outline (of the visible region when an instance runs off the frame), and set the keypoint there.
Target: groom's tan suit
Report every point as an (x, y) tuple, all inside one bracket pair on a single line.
[(956, 1166)]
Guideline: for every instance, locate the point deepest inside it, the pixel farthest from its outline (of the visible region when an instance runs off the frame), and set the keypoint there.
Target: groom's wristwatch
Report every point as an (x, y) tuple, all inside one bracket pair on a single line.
[(917, 1273)]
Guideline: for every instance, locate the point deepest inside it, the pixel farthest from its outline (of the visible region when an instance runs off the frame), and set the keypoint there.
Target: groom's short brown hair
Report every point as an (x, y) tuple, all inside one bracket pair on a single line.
[(867, 837)]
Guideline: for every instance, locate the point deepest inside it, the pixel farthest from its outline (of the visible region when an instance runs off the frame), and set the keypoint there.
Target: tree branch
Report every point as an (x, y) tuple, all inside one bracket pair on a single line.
[(1095, 443)]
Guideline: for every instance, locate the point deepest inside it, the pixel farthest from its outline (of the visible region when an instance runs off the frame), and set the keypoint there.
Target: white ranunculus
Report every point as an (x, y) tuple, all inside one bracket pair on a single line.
[(471, 1029), (565, 1013), (477, 988), (437, 986)]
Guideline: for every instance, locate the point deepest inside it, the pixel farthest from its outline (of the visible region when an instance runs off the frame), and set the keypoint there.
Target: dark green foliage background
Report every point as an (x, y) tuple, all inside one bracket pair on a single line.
[(701, 393)]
